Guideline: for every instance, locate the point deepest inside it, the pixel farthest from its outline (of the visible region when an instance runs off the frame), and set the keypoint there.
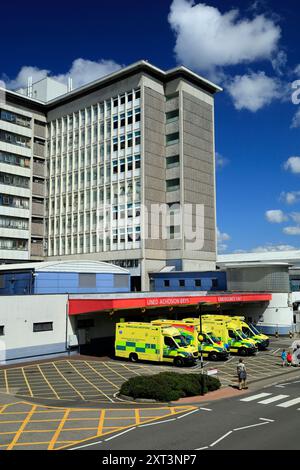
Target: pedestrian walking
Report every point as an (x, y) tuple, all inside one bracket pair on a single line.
[(283, 357), (242, 374), (289, 359)]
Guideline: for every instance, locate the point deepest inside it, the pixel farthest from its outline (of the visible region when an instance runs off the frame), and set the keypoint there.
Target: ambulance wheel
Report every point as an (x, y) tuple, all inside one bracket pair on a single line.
[(133, 357), (243, 352), (213, 356), (178, 362)]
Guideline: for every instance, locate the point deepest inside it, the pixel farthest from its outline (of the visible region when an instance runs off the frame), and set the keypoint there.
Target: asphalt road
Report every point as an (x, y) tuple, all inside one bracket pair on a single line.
[(268, 419)]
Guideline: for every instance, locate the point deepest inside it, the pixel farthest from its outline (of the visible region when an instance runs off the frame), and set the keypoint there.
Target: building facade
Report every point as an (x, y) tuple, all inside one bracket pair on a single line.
[(114, 151)]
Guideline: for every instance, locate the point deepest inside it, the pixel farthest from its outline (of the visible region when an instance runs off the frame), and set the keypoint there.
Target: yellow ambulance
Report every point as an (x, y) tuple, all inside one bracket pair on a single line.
[(145, 341)]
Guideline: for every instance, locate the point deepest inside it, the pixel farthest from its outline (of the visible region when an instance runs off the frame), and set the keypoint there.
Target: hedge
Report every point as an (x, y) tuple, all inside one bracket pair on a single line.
[(169, 386)]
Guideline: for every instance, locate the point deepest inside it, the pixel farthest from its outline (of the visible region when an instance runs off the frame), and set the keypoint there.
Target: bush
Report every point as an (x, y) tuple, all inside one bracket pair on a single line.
[(169, 386)]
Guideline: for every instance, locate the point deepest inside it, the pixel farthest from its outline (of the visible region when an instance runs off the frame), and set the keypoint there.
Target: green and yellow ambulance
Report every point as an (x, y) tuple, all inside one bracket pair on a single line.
[(212, 348), (232, 336), (251, 332), (147, 342)]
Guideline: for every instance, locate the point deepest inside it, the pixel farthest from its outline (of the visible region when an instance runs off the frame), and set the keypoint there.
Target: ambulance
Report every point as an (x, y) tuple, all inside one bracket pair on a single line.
[(229, 332), (147, 342), (211, 347), (262, 341)]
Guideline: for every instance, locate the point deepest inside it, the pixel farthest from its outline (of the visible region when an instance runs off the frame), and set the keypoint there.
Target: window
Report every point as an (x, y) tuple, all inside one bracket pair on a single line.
[(172, 116), (197, 282), (120, 281), (173, 161), (169, 342), (167, 283), (172, 139), (181, 283), (44, 326), (214, 282), (1, 330), (137, 94), (87, 280), (173, 184)]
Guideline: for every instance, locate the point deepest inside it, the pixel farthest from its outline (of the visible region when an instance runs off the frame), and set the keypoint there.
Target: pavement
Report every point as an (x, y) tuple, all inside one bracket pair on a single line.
[(72, 402)]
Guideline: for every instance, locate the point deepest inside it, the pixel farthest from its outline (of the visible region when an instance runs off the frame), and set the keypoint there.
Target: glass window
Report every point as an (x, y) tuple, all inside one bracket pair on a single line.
[(173, 184), (172, 138)]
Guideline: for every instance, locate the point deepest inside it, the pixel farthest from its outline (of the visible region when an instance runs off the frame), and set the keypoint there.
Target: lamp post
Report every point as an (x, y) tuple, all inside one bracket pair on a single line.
[(201, 334)]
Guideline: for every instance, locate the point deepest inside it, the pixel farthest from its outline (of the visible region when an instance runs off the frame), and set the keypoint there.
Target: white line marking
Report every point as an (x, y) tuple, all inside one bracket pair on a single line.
[(202, 448), (205, 409), (254, 397), (286, 404), (272, 399), (267, 419), (221, 438), (276, 350), (189, 413), (86, 445), (251, 426), (157, 422), (120, 434)]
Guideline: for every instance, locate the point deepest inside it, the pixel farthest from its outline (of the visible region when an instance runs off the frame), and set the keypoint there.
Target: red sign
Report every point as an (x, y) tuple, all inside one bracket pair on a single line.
[(80, 306)]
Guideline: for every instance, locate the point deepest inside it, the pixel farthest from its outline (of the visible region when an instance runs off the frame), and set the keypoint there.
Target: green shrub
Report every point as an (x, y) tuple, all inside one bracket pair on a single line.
[(169, 386)]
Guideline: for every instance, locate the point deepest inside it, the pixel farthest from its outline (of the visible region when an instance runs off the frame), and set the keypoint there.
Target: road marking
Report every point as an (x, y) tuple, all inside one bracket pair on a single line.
[(69, 383), (157, 422), (101, 422), (89, 382), (267, 419), (250, 426), (86, 445), (21, 428), (6, 382), (205, 409), (58, 430), (272, 399), (220, 438), (276, 350), (27, 383), (47, 381), (255, 397), (189, 413), (286, 404), (202, 448), (120, 434)]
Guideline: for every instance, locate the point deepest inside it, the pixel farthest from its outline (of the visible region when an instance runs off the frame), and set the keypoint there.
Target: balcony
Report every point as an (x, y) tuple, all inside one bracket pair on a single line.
[(38, 189), (37, 209), (37, 229), (37, 249), (39, 150), (38, 169)]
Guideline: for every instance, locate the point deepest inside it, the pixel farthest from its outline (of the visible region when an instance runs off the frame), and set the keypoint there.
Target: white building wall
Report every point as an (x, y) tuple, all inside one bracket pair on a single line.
[(19, 313)]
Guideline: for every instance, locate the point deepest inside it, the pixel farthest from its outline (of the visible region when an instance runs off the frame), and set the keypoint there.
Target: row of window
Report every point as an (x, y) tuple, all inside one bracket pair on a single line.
[(13, 244), (14, 180), (14, 201), (89, 115), (13, 223), (119, 121), (197, 282), (13, 159), (15, 118), (36, 327), (15, 139), (119, 143)]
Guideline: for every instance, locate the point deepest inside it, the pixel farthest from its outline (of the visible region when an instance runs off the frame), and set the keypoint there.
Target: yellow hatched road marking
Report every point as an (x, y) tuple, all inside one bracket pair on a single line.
[(131, 370), (115, 372), (69, 383), (137, 416), (101, 422), (21, 428), (47, 381), (6, 381), (58, 430), (27, 383), (101, 375), (88, 381)]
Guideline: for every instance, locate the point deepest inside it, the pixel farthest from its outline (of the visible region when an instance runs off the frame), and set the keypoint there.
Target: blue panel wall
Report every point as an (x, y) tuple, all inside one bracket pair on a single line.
[(158, 281), (16, 283), (62, 283)]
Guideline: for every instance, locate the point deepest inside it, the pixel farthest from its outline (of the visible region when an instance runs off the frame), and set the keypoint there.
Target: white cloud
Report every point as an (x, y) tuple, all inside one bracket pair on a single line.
[(222, 237), (293, 165), (279, 62), (290, 197), (275, 216), (82, 71), (221, 161), (207, 39), (253, 91), (296, 217), (296, 120), (291, 230), (270, 247)]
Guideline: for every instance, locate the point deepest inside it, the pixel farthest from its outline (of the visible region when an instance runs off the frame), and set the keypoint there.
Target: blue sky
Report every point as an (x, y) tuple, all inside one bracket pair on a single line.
[(252, 53)]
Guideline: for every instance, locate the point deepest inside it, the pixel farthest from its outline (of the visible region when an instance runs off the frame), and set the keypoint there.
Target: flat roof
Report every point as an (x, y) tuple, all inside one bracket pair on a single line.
[(87, 303), (80, 266), (140, 66)]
